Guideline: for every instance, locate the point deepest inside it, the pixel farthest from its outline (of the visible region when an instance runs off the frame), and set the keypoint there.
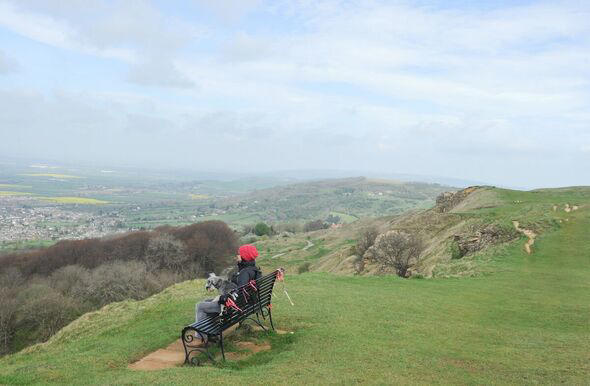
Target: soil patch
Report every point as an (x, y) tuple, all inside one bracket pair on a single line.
[(528, 246), (164, 358), (173, 355), (247, 349), (280, 332)]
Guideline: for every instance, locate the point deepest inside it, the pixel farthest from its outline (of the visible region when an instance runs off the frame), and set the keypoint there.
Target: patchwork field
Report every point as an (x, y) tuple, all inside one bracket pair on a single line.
[(91, 202)]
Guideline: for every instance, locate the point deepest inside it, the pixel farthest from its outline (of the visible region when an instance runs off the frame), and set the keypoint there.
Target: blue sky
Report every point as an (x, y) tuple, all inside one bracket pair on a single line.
[(490, 91)]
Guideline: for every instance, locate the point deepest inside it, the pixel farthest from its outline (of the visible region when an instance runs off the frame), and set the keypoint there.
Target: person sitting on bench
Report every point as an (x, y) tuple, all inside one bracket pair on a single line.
[(247, 270)]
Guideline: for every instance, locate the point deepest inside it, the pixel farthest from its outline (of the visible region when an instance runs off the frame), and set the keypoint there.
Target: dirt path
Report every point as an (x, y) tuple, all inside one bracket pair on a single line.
[(528, 233), (164, 358), (173, 355), (309, 245)]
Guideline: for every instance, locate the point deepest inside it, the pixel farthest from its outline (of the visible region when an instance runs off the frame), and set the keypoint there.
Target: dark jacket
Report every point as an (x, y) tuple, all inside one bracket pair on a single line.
[(247, 270)]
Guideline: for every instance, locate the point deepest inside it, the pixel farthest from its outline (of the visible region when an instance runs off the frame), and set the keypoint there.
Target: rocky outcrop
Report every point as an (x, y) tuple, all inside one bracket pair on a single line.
[(448, 200), (479, 239)]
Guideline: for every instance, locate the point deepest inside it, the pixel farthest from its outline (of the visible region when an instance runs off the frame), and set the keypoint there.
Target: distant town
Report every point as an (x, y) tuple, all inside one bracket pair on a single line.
[(21, 218)]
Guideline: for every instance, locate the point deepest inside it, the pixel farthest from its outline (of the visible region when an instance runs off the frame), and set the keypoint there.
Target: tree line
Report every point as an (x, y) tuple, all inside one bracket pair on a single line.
[(43, 290)]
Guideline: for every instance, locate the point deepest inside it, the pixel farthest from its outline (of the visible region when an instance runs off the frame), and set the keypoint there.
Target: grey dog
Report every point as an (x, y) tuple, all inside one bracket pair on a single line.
[(219, 283), (212, 306)]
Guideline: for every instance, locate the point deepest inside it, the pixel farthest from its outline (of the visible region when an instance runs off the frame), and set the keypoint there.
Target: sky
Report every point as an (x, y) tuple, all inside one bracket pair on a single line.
[(494, 91)]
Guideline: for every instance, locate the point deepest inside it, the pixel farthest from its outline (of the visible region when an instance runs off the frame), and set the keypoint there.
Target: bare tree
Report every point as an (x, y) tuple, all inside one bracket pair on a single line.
[(69, 279), (10, 281), (398, 249), (165, 251), (46, 310), (8, 317), (366, 240), (117, 281), (314, 226), (11, 278)]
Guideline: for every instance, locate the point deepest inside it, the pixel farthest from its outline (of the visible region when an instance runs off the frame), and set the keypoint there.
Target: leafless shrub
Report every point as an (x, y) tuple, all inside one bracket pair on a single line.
[(366, 240), (70, 280), (315, 225), (45, 310), (8, 317), (117, 281), (398, 249), (165, 252), (11, 278), (209, 244)]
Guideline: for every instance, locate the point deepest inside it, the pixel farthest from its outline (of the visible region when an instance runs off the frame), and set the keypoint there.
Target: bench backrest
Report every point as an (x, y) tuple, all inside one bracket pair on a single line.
[(249, 301)]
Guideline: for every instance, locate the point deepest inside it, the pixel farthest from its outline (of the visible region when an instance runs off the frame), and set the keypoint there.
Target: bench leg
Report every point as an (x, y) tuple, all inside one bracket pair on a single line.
[(270, 319), (186, 353), (221, 345), (188, 341)]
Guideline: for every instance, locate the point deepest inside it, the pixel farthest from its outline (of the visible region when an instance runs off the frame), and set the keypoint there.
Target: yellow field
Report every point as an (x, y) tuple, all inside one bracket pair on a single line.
[(53, 175), (10, 193), (10, 186), (199, 196), (75, 200)]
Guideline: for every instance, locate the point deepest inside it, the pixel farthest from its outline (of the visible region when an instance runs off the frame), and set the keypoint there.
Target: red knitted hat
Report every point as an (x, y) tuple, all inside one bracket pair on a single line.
[(248, 252)]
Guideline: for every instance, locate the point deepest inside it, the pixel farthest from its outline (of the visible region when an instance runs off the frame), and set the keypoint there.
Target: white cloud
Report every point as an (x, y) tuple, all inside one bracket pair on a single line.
[(48, 30), (382, 81), (136, 33)]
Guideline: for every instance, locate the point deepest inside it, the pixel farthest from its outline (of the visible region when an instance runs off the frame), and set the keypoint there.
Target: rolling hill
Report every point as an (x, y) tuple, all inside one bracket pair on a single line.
[(493, 315), (348, 198)]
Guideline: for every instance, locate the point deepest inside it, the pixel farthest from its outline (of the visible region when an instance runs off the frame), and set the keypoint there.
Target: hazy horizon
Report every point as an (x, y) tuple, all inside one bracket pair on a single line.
[(455, 89)]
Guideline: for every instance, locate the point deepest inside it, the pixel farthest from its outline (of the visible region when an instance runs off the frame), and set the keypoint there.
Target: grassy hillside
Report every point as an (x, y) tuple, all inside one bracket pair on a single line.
[(527, 322), (477, 222)]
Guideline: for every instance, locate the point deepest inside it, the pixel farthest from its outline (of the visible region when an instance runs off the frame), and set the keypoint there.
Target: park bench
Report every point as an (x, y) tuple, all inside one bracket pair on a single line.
[(253, 303)]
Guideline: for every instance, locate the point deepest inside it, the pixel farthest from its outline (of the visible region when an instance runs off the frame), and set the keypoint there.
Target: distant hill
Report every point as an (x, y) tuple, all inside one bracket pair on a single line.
[(348, 198)]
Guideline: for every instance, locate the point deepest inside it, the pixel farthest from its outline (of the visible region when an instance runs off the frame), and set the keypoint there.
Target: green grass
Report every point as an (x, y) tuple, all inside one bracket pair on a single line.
[(344, 217), (11, 246), (526, 322)]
